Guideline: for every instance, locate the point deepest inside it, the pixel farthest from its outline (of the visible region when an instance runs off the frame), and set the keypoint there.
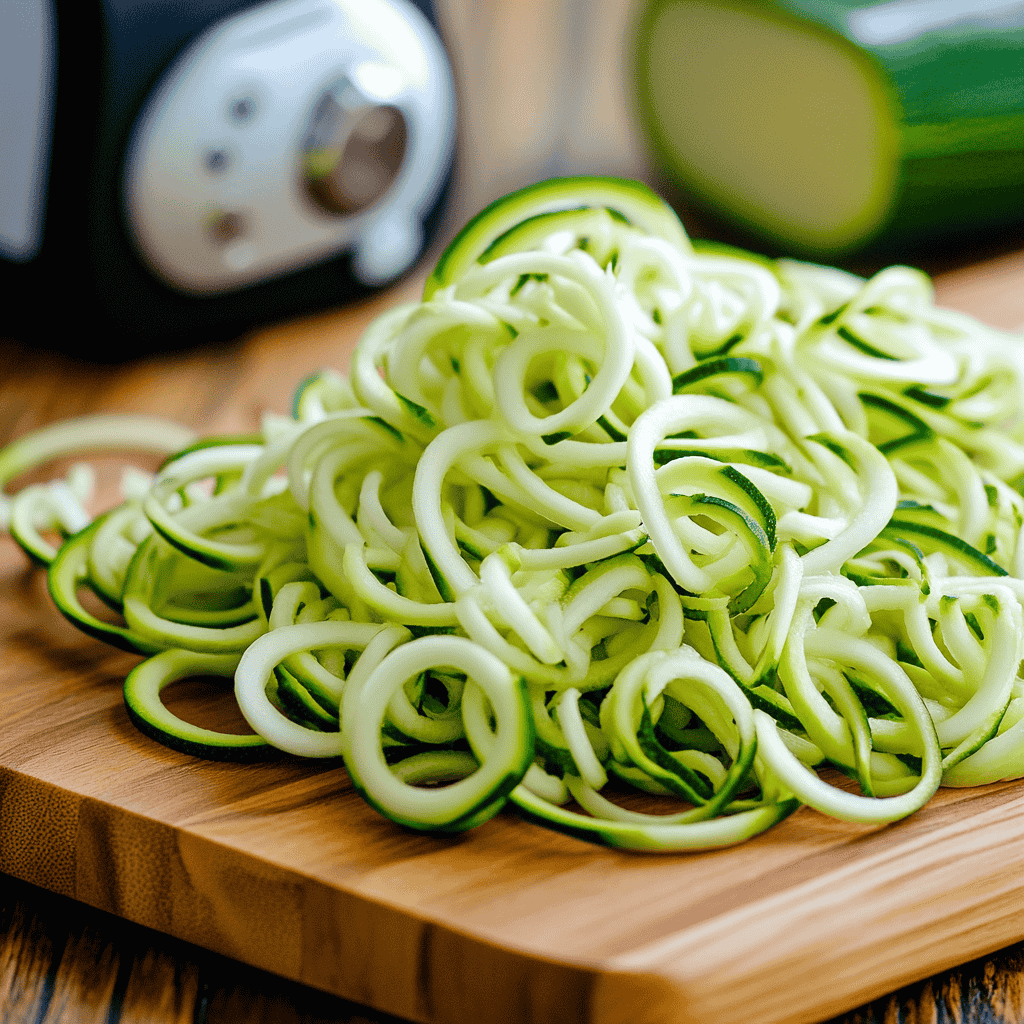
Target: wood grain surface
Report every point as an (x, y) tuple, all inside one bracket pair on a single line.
[(53, 950), (144, 885), (282, 866)]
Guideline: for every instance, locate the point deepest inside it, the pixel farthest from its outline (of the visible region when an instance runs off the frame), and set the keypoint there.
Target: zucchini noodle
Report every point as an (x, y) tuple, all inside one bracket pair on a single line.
[(607, 511)]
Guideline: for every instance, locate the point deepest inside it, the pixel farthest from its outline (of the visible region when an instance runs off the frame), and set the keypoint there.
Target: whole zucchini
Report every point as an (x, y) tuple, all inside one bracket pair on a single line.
[(824, 125)]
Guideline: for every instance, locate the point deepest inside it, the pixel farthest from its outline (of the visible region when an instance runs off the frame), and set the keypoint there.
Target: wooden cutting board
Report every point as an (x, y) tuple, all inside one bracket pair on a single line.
[(281, 865)]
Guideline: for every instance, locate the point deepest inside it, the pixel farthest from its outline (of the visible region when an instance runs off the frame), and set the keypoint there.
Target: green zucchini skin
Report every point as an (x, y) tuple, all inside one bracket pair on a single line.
[(240, 753), (627, 200), (152, 718), (955, 86)]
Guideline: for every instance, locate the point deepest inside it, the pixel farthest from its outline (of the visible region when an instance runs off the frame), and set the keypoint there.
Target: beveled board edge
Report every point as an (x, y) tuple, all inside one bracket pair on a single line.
[(179, 882), (812, 949)]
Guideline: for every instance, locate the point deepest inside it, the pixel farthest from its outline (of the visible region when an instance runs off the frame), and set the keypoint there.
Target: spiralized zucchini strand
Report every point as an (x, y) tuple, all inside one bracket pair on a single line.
[(608, 511)]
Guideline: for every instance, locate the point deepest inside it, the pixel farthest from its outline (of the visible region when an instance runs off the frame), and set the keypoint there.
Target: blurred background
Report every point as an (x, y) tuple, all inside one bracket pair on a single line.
[(752, 116), (544, 90), (188, 171)]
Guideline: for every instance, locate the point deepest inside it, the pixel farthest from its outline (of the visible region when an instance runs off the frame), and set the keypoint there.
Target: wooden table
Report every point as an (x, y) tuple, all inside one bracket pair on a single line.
[(61, 961)]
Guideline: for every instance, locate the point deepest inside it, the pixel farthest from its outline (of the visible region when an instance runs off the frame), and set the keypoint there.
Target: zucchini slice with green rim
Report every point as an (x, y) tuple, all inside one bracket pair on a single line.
[(508, 754), (69, 571), (930, 538), (149, 714), (710, 370), (654, 838), (634, 201)]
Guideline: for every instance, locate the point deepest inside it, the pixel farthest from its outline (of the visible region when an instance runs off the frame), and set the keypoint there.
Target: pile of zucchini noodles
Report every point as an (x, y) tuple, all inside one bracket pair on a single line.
[(606, 509)]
